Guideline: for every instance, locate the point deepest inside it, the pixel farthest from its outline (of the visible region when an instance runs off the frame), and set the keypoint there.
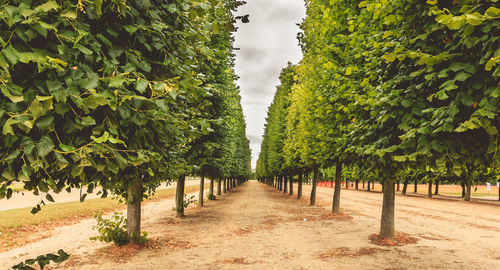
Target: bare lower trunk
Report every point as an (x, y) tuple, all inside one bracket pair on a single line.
[(415, 187), (468, 191), (463, 187), (436, 190), (134, 198), (211, 187), (387, 220), (499, 190), (219, 187), (429, 189), (346, 183), (405, 186), (202, 189), (285, 185), (356, 184), (369, 187), (313, 190), (397, 186), (179, 196), (290, 180), (363, 184), (299, 186), (336, 192)]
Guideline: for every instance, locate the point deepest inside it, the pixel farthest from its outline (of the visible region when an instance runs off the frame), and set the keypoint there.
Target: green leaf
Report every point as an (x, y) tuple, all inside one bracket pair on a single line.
[(49, 197), (88, 121), (130, 29), (141, 86), (69, 13), (492, 12), (66, 148), (50, 5), (45, 146), (98, 7), (90, 83), (83, 49), (117, 81), (7, 127), (102, 139)]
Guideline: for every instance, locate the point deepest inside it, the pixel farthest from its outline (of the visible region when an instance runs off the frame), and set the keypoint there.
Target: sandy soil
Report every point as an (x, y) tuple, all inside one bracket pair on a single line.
[(28, 199), (257, 227)]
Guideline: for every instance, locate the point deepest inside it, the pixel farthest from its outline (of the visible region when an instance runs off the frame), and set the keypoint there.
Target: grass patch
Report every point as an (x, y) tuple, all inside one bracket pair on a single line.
[(53, 212)]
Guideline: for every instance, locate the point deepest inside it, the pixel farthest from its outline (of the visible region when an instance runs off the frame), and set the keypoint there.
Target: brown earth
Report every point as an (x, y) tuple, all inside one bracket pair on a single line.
[(257, 227)]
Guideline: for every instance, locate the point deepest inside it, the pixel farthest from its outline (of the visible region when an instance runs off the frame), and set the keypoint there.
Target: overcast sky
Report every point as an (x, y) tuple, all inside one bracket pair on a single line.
[(266, 44)]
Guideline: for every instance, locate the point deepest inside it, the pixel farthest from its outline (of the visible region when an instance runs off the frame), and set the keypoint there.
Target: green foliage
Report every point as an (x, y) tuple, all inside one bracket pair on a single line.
[(390, 86), (42, 261), (113, 230)]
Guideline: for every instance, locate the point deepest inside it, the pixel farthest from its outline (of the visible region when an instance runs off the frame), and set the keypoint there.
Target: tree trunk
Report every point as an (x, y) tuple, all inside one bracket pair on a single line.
[(397, 186), (356, 184), (331, 182), (211, 186), (224, 186), (179, 196), (134, 198), (336, 192), (369, 187), (285, 186), (219, 187), (498, 190), (415, 188), (373, 185), (313, 190), (469, 189), (436, 190), (290, 180), (405, 186), (363, 183), (429, 189), (462, 183), (202, 189), (299, 187), (387, 220), (346, 183)]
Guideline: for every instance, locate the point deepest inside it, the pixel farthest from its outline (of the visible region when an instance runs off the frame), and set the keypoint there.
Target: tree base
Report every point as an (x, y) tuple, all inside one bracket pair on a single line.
[(401, 240)]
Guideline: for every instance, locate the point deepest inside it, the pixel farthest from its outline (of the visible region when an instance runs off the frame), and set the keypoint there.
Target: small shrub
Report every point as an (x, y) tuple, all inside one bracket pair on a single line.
[(211, 196), (114, 230), (186, 202), (42, 260)]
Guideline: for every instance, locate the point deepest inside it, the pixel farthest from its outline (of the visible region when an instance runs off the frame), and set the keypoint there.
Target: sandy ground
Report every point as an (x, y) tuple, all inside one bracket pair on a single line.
[(257, 227), (28, 199)]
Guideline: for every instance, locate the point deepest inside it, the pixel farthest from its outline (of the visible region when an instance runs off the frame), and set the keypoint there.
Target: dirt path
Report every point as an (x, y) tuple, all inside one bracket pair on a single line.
[(256, 227)]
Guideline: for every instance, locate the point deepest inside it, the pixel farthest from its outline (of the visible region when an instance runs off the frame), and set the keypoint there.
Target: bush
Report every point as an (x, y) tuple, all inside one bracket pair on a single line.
[(186, 202), (114, 230), (211, 196)]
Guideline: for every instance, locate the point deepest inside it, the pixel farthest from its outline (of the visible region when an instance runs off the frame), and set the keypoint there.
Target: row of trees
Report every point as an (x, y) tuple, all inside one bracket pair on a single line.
[(389, 89), (124, 95)]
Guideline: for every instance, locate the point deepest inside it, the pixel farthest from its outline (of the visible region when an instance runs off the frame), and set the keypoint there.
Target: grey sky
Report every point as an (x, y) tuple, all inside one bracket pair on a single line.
[(266, 44)]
